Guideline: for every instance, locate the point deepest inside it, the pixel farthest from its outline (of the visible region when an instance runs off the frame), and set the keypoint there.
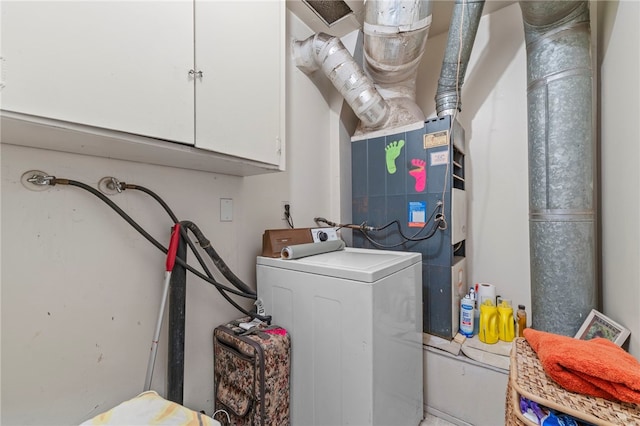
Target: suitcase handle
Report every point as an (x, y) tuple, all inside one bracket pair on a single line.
[(236, 350)]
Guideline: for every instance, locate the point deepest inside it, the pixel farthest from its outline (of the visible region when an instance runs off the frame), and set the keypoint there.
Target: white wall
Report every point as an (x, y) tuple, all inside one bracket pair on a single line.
[(69, 264), (81, 289), (494, 116), (619, 53)]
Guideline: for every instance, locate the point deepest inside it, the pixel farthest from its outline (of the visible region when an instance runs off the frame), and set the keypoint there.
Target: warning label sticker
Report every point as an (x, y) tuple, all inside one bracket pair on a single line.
[(417, 214), (439, 158), (432, 140)]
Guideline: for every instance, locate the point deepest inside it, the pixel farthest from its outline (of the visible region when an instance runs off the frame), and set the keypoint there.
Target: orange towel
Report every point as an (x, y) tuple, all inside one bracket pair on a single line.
[(596, 367)]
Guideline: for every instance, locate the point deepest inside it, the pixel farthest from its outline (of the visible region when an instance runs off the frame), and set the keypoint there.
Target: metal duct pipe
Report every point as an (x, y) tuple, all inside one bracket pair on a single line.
[(383, 95), (561, 164), (395, 35), (462, 34), (328, 52)]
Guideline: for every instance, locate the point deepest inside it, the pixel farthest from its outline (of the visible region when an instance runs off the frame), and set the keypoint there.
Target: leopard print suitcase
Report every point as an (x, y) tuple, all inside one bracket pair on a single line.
[(251, 370)]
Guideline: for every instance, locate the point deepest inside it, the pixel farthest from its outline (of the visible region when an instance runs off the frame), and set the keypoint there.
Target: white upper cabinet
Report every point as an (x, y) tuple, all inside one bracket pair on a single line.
[(208, 74), (240, 49), (116, 65)]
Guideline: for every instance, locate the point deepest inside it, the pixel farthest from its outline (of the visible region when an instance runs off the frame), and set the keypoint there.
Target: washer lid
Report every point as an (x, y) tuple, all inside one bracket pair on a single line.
[(364, 265)]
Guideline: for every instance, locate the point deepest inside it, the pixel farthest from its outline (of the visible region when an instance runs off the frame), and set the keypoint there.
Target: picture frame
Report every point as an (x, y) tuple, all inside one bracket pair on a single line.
[(599, 325)]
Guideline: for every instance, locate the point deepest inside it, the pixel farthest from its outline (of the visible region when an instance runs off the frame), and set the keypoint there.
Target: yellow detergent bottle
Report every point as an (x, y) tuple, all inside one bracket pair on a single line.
[(506, 329), (488, 330)]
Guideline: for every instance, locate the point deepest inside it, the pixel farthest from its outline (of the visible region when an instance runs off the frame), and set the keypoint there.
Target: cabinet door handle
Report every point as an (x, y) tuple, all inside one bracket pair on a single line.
[(194, 73)]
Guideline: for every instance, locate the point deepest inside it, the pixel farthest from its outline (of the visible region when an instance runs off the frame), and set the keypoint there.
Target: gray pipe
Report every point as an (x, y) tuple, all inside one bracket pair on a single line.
[(323, 51), (561, 146), (382, 94), (462, 34), (395, 36)]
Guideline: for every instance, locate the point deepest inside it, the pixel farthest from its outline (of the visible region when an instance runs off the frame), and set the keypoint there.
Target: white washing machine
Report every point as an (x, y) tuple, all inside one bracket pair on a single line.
[(355, 319)]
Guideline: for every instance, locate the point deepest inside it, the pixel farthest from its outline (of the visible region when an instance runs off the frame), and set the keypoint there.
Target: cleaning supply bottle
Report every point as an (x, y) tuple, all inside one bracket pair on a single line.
[(521, 315), (506, 331), (466, 316), (488, 329), (476, 310)]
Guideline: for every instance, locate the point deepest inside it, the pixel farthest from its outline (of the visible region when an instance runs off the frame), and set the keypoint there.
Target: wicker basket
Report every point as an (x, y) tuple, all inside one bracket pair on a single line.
[(527, 378)]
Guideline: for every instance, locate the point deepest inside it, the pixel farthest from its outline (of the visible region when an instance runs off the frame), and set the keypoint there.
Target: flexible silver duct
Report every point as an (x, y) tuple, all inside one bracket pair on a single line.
[(462, 34), (561, 146), (383, 94), (328, 52)]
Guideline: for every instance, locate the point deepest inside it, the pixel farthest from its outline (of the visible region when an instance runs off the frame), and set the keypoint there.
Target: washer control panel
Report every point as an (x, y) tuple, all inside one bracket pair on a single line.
[(324, 234)]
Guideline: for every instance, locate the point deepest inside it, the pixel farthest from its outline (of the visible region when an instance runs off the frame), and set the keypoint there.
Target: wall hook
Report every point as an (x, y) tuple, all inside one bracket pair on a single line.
[(109, 185), (36, 180)]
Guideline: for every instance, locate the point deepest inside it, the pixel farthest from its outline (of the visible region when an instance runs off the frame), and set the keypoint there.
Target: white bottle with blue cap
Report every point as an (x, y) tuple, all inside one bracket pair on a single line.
[(466, 316)]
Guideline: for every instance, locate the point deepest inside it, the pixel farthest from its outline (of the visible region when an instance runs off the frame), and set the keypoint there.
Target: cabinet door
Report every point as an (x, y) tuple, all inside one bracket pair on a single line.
[(240, 97), (119, 65)]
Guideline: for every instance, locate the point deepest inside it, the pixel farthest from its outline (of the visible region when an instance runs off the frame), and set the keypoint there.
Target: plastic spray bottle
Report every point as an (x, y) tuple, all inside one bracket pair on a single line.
[(476, 311), (466, 316)]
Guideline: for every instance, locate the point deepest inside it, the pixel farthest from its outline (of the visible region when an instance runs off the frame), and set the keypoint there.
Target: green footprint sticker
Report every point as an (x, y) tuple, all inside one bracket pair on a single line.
[(392, 152)]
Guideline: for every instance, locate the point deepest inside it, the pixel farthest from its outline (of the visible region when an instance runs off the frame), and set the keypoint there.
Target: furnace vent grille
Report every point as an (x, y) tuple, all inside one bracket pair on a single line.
[(330, 11)]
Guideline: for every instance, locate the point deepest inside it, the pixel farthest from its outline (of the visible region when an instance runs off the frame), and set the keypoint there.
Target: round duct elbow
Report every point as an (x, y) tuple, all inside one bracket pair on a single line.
[(326, 52), (304, 56)]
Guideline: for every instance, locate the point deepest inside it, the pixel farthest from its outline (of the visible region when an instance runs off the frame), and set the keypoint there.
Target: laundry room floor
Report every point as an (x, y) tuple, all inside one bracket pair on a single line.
[(431, 420)]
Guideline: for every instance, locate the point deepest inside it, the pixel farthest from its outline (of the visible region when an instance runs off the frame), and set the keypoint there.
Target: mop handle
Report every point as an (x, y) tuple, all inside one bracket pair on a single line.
[(173, 247), (171, 258)]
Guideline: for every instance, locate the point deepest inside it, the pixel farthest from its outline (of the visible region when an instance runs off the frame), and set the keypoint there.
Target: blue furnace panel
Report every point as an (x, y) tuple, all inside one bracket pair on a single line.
[(403, 177)]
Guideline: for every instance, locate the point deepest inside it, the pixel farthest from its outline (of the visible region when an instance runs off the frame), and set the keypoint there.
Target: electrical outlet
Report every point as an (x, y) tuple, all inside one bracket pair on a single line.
[(284, 207), (324, 234)]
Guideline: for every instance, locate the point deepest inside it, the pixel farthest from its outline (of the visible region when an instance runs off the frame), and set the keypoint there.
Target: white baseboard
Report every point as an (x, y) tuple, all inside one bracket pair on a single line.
[(445, 416)]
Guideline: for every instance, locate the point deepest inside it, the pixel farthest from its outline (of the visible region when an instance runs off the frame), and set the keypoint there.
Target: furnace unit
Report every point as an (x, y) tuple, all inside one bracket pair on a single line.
[(411, 177)]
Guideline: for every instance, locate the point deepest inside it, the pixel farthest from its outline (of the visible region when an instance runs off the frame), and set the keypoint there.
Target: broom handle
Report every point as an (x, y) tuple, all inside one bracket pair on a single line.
[(171, 258)]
